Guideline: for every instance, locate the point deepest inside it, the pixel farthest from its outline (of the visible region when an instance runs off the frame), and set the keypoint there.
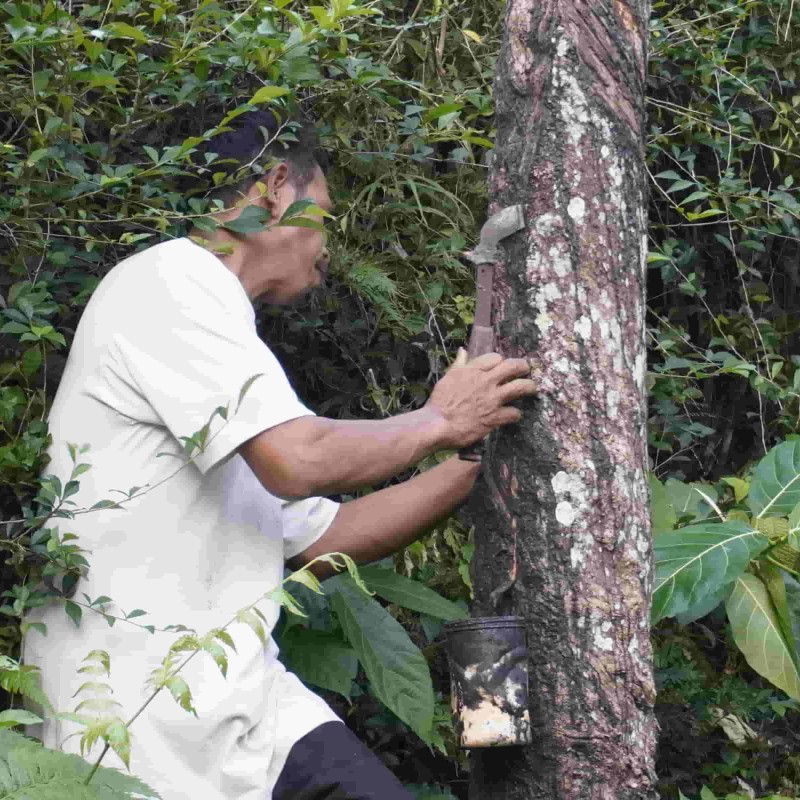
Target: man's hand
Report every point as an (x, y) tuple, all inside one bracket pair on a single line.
[(473, 398), (316, 456)]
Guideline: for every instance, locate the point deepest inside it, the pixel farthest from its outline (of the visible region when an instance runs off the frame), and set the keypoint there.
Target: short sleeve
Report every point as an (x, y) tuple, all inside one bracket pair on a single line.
[(304, 522), (195, 350)]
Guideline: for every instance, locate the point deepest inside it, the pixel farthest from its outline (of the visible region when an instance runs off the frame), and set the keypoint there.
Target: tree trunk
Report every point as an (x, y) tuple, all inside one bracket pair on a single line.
[(562, 526)]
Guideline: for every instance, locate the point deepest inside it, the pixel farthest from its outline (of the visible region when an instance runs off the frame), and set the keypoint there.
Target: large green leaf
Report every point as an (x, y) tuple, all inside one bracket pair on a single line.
[(775, 489), (757, 632), (695, 562), (689, 500), (409, 594), (662, 514), (320, 658), (792, 591), (394, 665), (772, 578), (705, 606)]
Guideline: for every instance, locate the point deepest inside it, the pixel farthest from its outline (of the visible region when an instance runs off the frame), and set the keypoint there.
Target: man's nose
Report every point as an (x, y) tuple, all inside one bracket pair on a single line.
[(324, 259)]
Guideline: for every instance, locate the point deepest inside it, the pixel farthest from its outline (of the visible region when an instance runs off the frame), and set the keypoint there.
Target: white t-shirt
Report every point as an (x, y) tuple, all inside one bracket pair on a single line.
[(168, 336)]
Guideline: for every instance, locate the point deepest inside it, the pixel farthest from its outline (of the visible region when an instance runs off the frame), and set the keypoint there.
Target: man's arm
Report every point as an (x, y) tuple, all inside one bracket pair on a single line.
[(375, 526), (314, 456)]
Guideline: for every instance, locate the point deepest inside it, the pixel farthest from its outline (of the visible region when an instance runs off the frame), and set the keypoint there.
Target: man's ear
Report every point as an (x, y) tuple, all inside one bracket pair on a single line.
[(266, 191), (277, 178)]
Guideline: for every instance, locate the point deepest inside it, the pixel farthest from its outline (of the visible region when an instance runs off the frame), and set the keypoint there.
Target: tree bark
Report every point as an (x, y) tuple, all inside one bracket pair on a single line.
[(562, 524)]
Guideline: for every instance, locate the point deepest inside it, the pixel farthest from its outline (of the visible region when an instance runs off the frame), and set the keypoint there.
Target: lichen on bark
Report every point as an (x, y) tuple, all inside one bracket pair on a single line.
[(563, 521)]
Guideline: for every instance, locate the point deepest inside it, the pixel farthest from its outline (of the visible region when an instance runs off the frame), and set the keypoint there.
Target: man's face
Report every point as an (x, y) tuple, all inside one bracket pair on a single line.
[(294, 258)]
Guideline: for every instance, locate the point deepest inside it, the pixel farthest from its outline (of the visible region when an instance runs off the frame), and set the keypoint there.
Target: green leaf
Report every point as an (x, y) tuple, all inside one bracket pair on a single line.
[(32, 771), (680, 185), (302, 222), (123, 29), (305, 578), (758, 635), (794, 527), (688, 499), (179, 689), (320, 658), (439, 111), (22, 679), (772, 577), (301, 207), (409, 594), (246, 388), (694, 562), (695, 196), (281, 596), (396, 668), (792, 593), (266, 93), (706, 606), (105, 504), (31, 361), (740, 488), (709, 212), (248, 617), (775, 488), (251, 220), (662, 514), (18, 716), (74, 612)]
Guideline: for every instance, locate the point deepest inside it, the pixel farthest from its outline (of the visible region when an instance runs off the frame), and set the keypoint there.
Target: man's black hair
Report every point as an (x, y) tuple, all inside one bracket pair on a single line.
[(255, 141)]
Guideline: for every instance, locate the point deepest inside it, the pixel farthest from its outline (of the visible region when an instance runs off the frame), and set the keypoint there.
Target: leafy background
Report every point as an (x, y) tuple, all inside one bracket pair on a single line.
[(101, 108)]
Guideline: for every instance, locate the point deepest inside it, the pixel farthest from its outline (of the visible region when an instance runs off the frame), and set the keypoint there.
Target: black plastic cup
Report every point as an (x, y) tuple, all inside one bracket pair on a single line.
[(488, 659)]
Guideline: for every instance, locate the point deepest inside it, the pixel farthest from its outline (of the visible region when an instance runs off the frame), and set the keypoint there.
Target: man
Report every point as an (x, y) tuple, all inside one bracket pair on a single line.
[(168, 336)]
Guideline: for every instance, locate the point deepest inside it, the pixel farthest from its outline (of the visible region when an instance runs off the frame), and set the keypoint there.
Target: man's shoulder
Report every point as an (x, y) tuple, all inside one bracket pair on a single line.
[(174, 270), (171, 260)]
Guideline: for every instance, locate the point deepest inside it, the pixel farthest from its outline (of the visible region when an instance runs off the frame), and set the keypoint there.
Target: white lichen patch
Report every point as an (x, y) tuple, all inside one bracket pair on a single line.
[(565, 513), (547, 224), (543, 323), (640, 370), (564, 483), (612, 404), (562, 365), (602, 641), (547, 294), (573, 504), (577, 209), (559, 261), (581, 546), (583, 328)]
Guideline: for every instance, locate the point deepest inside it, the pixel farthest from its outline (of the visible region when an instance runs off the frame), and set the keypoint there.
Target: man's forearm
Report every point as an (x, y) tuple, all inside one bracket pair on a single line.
[(315, 456), (375, 526)]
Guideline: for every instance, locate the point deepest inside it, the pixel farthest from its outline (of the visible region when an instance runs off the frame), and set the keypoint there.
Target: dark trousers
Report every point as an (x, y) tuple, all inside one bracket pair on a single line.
[(332, 763)]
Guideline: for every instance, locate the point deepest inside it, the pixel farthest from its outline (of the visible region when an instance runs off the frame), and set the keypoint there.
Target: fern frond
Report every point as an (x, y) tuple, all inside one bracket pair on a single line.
[(22, 679), (29, 771), (373, 284)]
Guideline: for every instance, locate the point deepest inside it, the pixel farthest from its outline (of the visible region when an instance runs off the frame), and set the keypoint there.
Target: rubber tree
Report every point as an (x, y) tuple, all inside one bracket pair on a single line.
[(562, 524)]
